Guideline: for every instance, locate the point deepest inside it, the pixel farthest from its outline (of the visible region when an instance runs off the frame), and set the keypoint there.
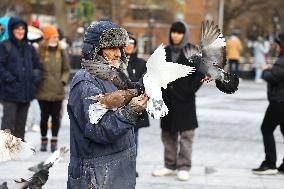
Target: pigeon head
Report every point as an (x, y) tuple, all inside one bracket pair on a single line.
[(103, 34)]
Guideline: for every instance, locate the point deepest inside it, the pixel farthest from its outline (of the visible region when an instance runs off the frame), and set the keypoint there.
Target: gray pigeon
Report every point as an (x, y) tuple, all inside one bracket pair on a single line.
[(211, 58)]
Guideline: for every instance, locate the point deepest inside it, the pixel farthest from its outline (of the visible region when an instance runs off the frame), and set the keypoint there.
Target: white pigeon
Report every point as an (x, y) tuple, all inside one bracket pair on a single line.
[(13, 148), (159, 74)]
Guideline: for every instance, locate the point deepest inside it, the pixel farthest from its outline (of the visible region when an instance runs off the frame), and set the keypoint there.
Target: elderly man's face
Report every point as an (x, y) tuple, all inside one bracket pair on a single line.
[(112, 56)]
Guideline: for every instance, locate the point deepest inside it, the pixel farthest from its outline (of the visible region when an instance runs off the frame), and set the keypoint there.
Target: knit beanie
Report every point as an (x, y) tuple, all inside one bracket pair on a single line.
[(49, 31)]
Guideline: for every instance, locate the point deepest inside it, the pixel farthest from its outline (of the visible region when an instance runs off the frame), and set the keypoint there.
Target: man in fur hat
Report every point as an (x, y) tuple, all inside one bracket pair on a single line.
[(102, 153)]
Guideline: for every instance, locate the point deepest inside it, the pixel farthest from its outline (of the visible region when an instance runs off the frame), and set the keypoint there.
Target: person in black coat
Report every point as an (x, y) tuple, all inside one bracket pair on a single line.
[(20, 75), (274, 76), (135, 69), (179, 97)]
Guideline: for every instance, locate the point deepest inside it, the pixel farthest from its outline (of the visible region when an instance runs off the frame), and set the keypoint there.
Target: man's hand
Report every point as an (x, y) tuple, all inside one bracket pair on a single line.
[(266, 66), (206, 79), (139, 103)]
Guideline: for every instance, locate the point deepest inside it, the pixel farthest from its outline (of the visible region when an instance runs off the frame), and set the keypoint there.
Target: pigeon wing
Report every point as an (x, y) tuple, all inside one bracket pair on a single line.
[(163, 72), (213, 45)]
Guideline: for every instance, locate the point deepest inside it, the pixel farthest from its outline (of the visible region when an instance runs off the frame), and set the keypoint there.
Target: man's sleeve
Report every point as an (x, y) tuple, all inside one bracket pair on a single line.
[(275, 75), (112, 125), (5, 75)]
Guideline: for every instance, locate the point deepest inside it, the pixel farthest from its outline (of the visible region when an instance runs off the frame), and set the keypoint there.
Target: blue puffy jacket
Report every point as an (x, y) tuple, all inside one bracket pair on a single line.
[(20, 70), (103, 154)]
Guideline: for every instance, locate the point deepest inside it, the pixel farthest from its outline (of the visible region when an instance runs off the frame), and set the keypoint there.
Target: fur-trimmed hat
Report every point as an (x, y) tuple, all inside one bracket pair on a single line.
[(103, 34)]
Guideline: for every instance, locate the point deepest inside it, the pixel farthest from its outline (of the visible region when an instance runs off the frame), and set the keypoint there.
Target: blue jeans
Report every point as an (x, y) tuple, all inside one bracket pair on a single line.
[(234, 67)]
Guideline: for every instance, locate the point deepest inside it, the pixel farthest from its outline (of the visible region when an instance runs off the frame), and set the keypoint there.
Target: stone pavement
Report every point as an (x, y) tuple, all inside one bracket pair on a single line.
[(227, 145)]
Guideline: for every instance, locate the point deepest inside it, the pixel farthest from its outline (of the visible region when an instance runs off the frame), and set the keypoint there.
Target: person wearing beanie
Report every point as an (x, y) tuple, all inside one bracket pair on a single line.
[(51, 93), (103, 151), (274, 76), (136, 68), (179, 124), (20, 75)]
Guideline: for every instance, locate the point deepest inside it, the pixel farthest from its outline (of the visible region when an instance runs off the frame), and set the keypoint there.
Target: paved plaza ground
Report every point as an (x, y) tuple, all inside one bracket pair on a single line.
[(227, 146)]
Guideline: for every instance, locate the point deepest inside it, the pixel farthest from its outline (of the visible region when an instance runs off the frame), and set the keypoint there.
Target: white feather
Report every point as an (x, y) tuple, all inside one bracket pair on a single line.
[(159, 74), (218, 43), (56, 156), (13, 148), (96, 112)]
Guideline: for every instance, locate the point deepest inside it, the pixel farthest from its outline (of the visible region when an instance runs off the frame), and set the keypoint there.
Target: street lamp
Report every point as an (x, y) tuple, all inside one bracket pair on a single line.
[(275, 21), (151, 27)]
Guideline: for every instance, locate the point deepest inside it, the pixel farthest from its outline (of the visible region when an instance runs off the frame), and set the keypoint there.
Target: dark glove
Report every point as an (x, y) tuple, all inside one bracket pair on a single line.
[(139, 87)]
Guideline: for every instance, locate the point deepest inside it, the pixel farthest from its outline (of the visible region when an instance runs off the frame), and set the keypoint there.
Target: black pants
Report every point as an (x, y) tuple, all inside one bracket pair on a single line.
[(15, 117), (52, 109), (273, 117)]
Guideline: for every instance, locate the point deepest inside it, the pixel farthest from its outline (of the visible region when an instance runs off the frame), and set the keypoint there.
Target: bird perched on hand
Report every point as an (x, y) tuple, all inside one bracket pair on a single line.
[(13, 148), (109, 101), (159, 74), (211, 58), (42, 171)]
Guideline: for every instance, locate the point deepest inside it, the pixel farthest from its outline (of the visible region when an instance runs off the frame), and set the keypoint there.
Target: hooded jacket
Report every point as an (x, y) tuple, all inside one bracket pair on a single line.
[(180, 94), (102, 154), (20, 70)]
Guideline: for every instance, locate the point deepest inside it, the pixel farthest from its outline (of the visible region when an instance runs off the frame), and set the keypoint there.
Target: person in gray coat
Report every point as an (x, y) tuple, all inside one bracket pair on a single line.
[(102, 152)]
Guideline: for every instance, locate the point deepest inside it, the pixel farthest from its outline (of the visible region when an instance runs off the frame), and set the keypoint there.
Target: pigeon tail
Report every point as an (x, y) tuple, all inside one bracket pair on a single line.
[(229, 84), (157, 108)]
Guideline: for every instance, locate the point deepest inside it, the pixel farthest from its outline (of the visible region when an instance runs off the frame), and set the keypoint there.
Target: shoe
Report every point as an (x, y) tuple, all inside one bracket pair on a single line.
[(183, 175), (53, 146), (35, 128), (43, 146), (163, 172), (281, 168), (265, 169)]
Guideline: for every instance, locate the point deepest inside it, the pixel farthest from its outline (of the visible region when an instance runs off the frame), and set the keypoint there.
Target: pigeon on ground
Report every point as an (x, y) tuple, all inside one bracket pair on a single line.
[(4, 185), (42, 171), (13, 148), (211, 58)]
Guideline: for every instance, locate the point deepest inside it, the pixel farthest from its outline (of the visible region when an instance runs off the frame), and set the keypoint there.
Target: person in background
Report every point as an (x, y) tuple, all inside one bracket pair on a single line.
[(234, 49), (274, 76), (20, 74), (260, 50), (135, 69), (179, 125), (51, 93), (4, 22)]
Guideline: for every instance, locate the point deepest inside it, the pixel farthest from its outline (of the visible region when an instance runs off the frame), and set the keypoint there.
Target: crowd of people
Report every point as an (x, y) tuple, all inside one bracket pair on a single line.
[(32, 69), (40, 69)]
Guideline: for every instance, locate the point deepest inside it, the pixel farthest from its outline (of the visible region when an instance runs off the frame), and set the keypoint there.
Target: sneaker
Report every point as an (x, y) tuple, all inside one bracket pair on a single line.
[(265, 169), (183, 175), (281, 168), (163, 172)]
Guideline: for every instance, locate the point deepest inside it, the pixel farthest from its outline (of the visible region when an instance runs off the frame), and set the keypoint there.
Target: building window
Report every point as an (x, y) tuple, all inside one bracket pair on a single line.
[(140, 14)]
